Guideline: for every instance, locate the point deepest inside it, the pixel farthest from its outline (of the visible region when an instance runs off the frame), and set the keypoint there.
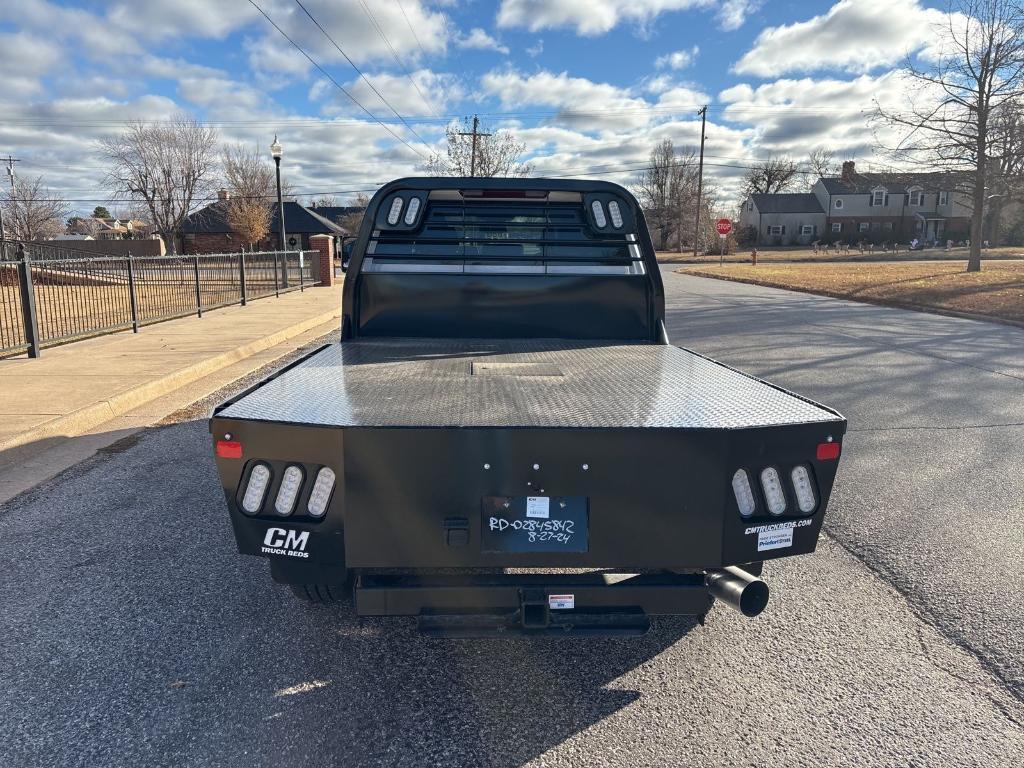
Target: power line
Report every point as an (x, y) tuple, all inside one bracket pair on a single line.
[(411, 29), (401, 64), (337, 85), (360, 73)]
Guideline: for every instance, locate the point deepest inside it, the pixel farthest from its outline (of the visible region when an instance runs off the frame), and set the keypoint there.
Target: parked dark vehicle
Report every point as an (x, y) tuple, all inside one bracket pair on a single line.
[(505, 440)]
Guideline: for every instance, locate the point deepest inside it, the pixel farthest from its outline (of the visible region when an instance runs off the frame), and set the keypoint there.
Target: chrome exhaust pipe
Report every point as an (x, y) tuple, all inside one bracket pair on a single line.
[(737, 589)]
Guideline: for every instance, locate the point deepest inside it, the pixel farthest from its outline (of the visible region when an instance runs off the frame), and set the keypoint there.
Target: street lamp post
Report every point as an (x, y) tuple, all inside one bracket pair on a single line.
[(275, 150)]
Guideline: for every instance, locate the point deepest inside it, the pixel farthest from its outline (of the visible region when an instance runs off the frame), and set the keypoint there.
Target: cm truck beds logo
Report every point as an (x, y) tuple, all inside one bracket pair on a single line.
[(279, 541)]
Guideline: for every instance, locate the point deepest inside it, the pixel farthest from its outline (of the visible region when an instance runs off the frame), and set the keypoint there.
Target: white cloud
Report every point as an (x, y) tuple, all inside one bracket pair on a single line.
[(853, 36), (677, 59), (439, 90), (367, 31), (589, 17), (603, 105), (536, 49), (24, 59), (789, 116), (479, 39), (733, 13)]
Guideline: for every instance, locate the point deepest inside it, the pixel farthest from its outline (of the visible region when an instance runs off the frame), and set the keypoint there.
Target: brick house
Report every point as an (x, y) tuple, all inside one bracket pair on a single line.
[(873, 207), (207, 230)]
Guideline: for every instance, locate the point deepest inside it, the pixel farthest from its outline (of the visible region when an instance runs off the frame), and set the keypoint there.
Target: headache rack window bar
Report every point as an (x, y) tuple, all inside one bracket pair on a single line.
[(425, 266)]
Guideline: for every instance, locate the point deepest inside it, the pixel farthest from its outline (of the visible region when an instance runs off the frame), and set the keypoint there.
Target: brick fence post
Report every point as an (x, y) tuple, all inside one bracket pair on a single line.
[(324, 246)]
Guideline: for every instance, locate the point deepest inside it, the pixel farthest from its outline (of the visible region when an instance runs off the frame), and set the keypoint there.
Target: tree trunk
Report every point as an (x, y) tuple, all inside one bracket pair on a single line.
[(169, 243)]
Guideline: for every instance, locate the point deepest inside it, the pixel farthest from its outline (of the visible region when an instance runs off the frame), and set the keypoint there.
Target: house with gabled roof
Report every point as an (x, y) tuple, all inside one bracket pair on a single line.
[(784, 218), (207, 230), (870, 207)]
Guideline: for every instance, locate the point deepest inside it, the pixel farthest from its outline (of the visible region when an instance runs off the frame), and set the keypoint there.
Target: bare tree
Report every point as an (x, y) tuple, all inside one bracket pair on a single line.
[(78, 225), (497, 154), (168, 166), (251, 193), (776, 174), (667, 190), (953, 96), (821, 162), (1007, 157), (354, 220), (32, 211), (325, 201)]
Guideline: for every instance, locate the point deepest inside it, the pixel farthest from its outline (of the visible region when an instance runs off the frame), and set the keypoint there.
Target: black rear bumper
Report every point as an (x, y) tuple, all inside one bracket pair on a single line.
[(562, 604)]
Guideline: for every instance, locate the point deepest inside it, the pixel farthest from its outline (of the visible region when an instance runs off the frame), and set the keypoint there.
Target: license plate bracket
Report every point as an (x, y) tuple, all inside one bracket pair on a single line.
[(534, 524)]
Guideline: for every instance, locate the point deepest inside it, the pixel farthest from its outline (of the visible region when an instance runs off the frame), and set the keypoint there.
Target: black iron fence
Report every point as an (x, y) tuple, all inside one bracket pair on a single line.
[(51, 295)]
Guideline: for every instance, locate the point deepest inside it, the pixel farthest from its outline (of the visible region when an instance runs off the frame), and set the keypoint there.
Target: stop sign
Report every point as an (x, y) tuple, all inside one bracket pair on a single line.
[(724, 226)]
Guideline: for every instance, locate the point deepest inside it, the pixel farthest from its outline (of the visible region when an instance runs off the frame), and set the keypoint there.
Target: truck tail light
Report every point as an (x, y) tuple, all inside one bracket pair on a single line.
[(828, 451), (321, 493), (806, 500), (615, 213), (229, 449), (743, 492), (396, 210), (256, 489), (291, 481), (773, 493), (599, 217), (412, 211)]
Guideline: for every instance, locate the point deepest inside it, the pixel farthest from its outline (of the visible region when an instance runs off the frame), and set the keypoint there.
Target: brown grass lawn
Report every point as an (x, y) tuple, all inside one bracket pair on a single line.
[(997, 291), (769, 255)]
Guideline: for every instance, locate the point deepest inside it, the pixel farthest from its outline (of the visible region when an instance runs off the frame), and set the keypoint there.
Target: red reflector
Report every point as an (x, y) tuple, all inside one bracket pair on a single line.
[(229, 449), (828, 451)]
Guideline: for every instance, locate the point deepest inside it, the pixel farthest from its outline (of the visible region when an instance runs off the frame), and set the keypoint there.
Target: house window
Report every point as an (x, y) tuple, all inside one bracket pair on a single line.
[(776, 229), (750, 205), (878, 197), (839, 202), (916, 197), (887, 226), (876, 226), (943, 198), (863, 226), (806, 229), (837, 226)]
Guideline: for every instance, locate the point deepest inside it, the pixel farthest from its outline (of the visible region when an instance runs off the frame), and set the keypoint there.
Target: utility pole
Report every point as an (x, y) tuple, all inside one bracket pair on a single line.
[(474, 133), (703, 112), (10, 173)]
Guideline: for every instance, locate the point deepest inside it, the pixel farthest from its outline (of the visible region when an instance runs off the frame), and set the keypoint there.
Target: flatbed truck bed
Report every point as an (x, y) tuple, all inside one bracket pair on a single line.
[(530, 473)]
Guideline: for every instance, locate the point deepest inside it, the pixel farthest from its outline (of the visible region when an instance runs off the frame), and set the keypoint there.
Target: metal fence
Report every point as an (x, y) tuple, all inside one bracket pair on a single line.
[(51, 296)]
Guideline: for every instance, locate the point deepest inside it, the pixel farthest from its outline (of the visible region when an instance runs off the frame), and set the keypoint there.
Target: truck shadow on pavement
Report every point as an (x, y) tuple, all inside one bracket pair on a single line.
[(139, 610)]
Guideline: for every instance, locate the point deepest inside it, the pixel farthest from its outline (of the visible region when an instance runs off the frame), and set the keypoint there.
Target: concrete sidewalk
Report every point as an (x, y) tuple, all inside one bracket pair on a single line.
[(71, 389)]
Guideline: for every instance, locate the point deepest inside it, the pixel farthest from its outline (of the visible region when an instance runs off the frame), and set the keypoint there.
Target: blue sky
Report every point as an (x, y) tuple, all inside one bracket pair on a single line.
[(588, 85)]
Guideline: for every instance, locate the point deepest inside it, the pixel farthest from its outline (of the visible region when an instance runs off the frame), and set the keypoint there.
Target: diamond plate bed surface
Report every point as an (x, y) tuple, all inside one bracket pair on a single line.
[(534, 383)]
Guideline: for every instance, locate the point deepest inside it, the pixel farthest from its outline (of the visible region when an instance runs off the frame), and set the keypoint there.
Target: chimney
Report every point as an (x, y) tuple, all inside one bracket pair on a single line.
[(223, 194), (849, 171)]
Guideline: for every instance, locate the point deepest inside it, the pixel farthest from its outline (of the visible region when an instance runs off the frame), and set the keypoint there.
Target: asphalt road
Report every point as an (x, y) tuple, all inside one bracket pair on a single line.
[(133, 635)]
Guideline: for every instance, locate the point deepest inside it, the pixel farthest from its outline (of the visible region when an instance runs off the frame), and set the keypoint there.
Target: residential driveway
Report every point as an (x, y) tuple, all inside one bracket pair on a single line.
[(930, 492), (135, 635)]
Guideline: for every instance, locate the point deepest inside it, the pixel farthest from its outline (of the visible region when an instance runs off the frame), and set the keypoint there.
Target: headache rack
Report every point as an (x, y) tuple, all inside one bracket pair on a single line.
[(510, 258)]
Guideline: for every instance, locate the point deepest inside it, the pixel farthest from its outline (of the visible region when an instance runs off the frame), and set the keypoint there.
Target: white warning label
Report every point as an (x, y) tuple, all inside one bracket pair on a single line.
[(537, 506), (776, 539), (561, 602)]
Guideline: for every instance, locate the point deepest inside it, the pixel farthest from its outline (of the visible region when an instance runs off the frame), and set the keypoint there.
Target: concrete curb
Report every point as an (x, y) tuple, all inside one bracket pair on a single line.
[(858, 300), (82, 420)]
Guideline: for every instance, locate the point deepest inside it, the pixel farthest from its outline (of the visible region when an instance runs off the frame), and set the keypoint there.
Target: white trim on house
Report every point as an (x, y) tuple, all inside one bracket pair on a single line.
[(878, 196), (776, 230), (839, 202), (863, 226), (837, 226), (806, 229), (943, 197), (916, 196)]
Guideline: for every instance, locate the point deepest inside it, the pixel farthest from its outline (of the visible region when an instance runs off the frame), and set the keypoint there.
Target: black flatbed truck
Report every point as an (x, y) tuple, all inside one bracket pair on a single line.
[(504, 440)]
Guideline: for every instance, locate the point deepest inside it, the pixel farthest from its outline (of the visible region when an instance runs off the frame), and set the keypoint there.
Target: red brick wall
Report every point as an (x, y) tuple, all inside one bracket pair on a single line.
[(324, 246)]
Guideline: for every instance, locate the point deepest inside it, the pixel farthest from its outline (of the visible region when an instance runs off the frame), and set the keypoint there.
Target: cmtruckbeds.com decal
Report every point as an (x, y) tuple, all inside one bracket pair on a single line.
[(778, 526), (280, 541)]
